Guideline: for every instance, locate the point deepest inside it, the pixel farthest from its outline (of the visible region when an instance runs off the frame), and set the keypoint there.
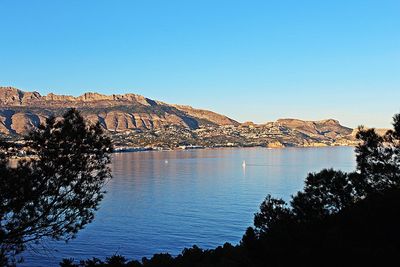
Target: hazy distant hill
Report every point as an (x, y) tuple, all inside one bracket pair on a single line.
[(135, 120)]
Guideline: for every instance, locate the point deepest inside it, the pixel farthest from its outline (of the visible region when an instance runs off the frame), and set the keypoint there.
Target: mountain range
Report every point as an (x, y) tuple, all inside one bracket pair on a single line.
[(132, 115)]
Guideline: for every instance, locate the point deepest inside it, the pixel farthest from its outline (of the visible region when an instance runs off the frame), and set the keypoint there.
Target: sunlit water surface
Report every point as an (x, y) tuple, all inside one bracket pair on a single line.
[(166, 201)]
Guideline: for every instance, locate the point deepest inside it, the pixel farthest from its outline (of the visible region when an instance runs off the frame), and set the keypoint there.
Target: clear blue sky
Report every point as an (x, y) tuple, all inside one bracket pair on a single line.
[(250, 60)]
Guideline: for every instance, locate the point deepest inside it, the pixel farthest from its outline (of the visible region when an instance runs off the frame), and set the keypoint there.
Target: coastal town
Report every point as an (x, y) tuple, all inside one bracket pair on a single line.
[(137, 123), (272, 135)]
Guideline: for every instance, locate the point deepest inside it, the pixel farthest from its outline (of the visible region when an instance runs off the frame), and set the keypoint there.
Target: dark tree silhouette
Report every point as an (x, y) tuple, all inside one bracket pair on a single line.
[(327, 192), (272, 212), (56, 194), (378, 159), (334, 196), (338, 219)]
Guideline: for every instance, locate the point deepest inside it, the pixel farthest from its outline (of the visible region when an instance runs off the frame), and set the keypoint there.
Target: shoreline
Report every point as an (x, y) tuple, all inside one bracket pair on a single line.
[(144, 149), (135, 149)]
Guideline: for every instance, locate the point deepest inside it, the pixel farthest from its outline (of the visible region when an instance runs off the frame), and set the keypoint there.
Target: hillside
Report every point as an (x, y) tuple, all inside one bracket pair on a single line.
[(20, 111), (137, 121)]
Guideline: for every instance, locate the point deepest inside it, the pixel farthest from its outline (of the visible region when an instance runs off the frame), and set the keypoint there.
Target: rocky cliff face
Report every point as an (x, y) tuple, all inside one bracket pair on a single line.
[(21, 111), (135, 120), (329, 128)]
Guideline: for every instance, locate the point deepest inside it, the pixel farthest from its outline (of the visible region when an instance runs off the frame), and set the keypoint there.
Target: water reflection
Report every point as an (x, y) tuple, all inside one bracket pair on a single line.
[(165, 201)]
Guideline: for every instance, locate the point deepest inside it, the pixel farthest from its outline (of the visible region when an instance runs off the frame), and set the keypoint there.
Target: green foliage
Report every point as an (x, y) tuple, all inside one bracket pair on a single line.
[(56, 194)]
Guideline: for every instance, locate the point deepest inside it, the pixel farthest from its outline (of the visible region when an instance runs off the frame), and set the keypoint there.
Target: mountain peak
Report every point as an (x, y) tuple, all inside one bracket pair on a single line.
[(16, 97)]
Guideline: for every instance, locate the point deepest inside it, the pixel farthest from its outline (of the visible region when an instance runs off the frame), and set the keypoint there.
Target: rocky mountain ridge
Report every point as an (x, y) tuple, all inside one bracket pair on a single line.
[(20, 111), (157, 123)]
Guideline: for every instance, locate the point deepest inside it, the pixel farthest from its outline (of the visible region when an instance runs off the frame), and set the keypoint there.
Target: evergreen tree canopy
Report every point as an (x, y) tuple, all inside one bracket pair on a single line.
[(338, 219), (55, 194), (329, 191)]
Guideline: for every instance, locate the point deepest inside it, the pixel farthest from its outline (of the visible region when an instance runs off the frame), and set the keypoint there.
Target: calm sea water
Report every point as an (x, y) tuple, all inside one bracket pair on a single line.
[(166, 201)]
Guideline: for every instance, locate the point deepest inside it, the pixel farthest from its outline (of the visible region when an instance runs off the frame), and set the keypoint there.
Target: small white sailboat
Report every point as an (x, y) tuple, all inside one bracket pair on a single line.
[(244, 164)]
